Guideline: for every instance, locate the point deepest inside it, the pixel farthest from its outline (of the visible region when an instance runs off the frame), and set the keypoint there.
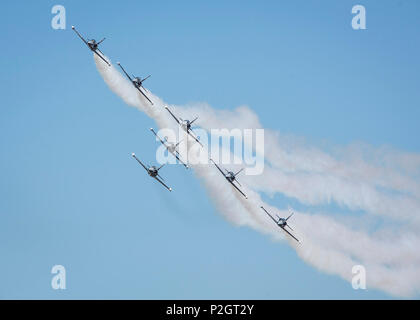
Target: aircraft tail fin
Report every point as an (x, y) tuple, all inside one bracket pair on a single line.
[(178, 143), (146, 78), (193, 120), (291, 214)]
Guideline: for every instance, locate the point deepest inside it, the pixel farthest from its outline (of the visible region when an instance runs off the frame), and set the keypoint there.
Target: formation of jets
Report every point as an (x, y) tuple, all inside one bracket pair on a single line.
[(186, 125)]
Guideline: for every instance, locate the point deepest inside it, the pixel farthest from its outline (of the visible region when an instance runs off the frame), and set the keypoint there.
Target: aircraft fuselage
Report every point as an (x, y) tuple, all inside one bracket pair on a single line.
[(282, 223), (137, 82), (171, 147), (152, 171), (186, 125), (230, 176), (92, 45)]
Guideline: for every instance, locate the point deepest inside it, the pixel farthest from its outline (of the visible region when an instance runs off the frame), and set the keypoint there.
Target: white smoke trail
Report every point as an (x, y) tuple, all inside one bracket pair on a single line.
[(388, 188), (121, 86), (351, 182)]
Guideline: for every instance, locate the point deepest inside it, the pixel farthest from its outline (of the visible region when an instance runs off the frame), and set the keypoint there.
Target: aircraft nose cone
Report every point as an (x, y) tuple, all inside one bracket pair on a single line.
[(72, 27), (133, 154)]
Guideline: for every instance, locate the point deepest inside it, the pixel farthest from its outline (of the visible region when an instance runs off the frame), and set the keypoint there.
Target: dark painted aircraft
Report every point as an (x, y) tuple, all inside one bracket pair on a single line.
[(137, 83), (153, 172), (185, 124), (230, 177), (282, 222), (93, 45)]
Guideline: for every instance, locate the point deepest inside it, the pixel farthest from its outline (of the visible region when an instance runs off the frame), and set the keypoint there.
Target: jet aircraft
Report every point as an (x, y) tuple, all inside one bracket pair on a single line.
[(137, 82), (170, 146), (153, 172), (282, 222), (185, 124), (231, 177), (93, 45)]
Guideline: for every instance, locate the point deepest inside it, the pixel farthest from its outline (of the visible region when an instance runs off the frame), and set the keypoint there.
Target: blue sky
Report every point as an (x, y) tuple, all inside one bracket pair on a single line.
[(72, 195)]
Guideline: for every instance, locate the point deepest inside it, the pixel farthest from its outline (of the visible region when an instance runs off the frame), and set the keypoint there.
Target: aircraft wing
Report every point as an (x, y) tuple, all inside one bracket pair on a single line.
[(269, 215), (125, 72), (190, 132), (284, 229), (218, 168), (170, 189), (80, 36), (161, 141), (175, 154), (238, 189), (176, 119), (100, 56), (134, 156), (144, 94)]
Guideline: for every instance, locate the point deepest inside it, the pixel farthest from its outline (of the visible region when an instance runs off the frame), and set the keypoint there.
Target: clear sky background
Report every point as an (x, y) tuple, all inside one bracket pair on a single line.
[(72, 195)]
